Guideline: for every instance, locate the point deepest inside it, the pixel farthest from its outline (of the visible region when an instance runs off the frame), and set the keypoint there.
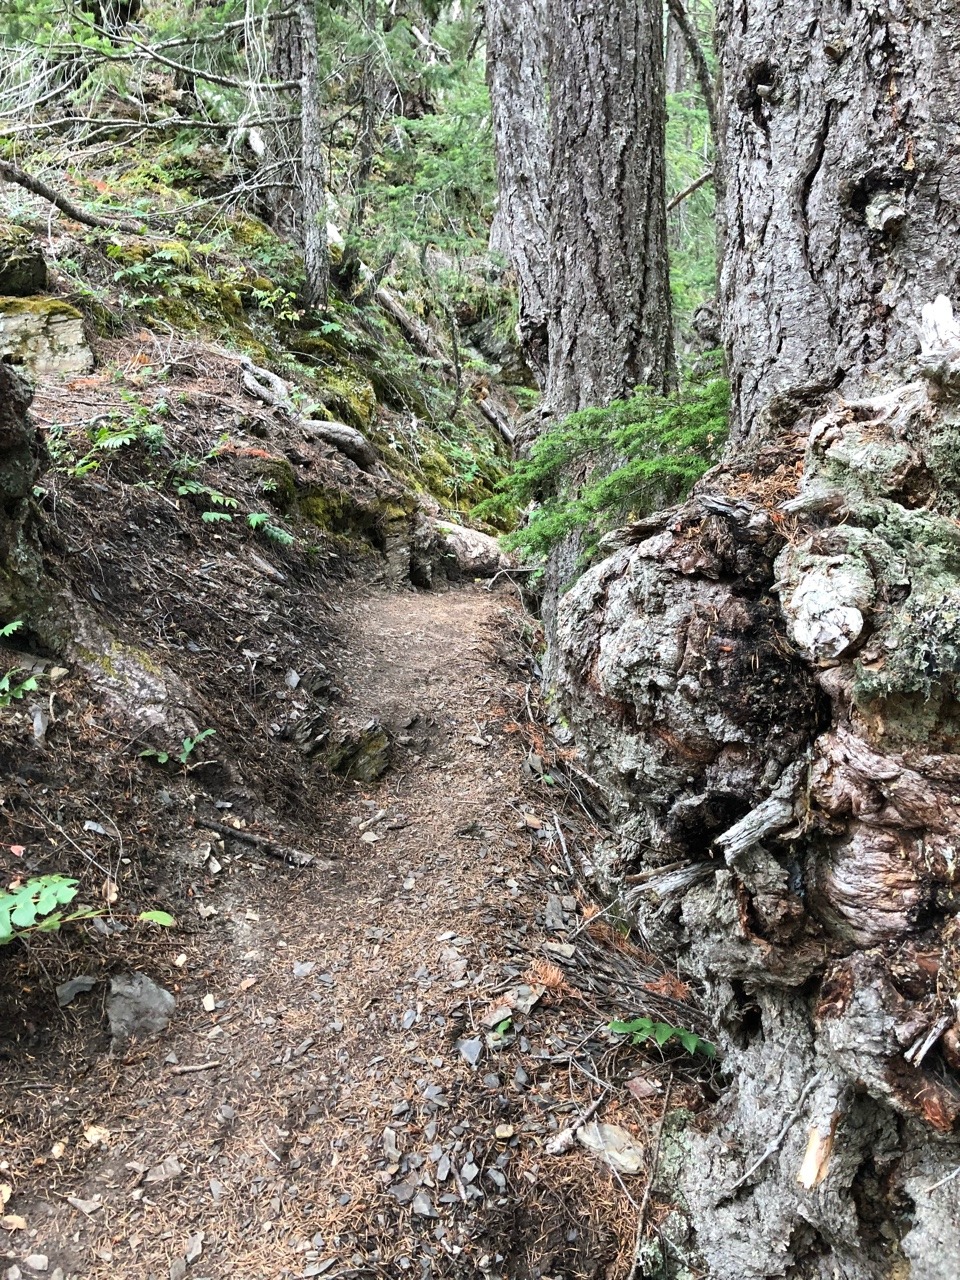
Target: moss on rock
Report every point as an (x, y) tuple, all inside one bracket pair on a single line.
[(44, 335)]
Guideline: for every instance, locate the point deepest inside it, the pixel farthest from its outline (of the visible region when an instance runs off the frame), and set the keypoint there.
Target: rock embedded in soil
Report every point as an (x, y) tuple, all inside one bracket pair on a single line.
[(23, 270), (137, 1007)]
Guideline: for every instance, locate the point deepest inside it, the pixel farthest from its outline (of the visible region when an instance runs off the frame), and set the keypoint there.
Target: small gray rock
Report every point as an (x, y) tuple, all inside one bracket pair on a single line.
[(470, 1051), (553, 916), (422, 1205), (137, 1007), (73, 987)]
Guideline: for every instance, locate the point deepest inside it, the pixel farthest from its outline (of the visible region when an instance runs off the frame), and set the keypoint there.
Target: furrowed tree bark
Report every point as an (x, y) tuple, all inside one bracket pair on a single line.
[(843, 195), (609, 319), (766, 679), (281, 200), (516, 74), (313, 166)]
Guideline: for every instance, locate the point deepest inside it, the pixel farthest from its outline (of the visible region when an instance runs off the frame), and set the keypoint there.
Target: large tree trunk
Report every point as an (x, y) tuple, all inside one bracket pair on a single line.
[(767, 679), (281, 200), (839, 130), (313, 166), (609, 292), (516, 73)]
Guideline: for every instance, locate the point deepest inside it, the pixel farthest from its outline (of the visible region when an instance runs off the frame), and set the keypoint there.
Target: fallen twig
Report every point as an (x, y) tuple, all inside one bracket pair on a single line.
[(949, 1178), (775, 1144), (563, 1142), (191, 1067), (272, 848)]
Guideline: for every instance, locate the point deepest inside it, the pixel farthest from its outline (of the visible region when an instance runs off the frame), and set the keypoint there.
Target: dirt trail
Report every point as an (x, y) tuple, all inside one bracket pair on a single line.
[(392, 1040)]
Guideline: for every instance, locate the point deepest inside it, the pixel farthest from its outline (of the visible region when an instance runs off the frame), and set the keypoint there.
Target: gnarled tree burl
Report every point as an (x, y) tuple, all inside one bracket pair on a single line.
[(766, 678)]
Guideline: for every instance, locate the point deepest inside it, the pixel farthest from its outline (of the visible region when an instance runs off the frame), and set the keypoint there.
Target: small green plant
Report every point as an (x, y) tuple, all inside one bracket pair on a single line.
[(280, 302), (187, 749), (261, 520), (642, 1029), (12, 689), (189, 488), (34, 907), (637, 455), (117, 431)]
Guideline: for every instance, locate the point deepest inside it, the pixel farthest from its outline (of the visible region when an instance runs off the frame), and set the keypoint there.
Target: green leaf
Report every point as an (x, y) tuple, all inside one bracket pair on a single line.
[(215, 517), (10, 628), (158, 917), (662, 1032), (51, 924), (256, 518)]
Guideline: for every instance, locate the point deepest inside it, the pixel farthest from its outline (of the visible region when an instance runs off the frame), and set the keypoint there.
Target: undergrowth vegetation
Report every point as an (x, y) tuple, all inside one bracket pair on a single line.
[(601, 467)]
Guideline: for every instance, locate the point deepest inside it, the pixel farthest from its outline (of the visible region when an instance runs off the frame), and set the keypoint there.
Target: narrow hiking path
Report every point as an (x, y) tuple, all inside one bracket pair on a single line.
[(369, 1055)]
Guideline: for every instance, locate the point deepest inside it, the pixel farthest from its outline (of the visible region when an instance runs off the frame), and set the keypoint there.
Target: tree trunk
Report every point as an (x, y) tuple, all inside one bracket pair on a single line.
[(281, 199), (609, 317), (313, 167), (766, 679), (516, 73), (843, 208), (675, 64)]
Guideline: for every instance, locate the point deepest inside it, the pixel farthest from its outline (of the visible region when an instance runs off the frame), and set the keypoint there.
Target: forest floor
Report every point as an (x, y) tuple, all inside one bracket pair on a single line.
[(370, 1054)]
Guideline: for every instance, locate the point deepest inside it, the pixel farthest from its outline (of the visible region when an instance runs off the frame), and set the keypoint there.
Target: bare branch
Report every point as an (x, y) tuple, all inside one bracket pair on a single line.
[(688, 191), (10, 173)]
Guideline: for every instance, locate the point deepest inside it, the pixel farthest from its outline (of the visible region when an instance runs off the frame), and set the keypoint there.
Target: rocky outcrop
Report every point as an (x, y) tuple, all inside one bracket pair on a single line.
[(22, 457), (22, 268), (43, 335), (474, 554)]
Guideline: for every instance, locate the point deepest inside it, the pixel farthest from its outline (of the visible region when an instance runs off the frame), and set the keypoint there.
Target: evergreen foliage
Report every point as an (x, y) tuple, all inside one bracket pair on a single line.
[(601, 467), (692, 225)]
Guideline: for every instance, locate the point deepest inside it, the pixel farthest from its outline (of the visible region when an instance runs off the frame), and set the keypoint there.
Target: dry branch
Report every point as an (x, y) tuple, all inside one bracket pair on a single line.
[(272, 848), (10, 173), (688, 191)]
